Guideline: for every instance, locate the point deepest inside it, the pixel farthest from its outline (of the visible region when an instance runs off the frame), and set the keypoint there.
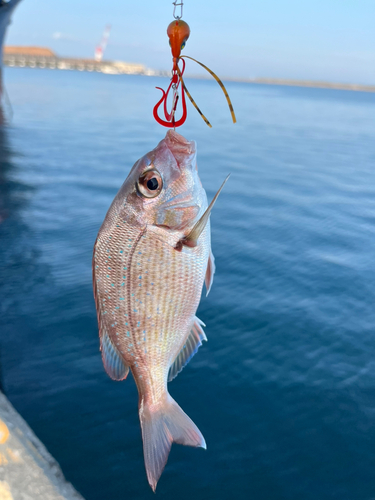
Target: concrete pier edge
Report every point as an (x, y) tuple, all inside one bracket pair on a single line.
[(27, 470)]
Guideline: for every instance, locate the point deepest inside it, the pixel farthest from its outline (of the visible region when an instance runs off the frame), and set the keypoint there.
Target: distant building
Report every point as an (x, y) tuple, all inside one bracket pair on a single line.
[(41, 57), (11, 50)]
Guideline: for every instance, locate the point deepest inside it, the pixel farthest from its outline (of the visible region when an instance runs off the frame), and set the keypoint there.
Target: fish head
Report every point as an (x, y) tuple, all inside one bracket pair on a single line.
[(163, 188)]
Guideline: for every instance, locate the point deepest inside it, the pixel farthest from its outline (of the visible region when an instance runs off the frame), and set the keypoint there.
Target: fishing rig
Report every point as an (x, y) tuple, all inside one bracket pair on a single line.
[(178, 32)]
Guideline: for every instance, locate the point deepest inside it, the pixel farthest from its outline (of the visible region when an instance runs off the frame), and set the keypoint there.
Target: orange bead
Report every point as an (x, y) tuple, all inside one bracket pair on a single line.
[(178, 32)]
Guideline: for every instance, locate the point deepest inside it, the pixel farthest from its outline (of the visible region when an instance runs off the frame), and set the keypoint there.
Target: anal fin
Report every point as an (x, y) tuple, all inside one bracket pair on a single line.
[(113, 364), (191, 346)]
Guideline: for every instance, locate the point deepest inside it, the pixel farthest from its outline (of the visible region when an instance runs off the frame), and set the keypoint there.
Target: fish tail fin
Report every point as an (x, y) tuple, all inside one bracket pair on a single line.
[(163, 424)]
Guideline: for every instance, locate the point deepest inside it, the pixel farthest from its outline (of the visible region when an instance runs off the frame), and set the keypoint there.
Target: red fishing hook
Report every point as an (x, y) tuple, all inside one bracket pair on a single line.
[(170, 117)]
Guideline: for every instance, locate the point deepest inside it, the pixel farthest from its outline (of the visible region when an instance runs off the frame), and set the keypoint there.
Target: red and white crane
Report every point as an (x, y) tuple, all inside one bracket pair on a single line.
[(99, 51)]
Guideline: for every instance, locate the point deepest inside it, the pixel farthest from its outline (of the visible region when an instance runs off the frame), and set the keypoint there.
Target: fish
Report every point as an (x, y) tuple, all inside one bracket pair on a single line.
[(150, 260)]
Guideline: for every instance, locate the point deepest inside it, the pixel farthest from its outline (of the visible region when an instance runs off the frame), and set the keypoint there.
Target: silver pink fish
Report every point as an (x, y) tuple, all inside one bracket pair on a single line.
[(151, 257)]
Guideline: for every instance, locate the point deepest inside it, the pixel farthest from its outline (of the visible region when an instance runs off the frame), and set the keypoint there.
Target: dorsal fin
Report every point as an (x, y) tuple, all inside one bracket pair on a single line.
[(191, 346), (113, 364)]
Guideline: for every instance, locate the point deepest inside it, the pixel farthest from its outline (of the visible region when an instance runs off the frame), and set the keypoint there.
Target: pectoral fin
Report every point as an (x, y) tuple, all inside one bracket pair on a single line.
[(192, 238), (113, 364), (191, 346), (210, 271)]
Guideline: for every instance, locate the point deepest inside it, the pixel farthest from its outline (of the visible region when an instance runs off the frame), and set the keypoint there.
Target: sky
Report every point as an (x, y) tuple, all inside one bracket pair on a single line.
[(329, 40)]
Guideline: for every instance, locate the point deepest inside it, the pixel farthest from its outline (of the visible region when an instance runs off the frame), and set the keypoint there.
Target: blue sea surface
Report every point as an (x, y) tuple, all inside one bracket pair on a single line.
[(284, 389)]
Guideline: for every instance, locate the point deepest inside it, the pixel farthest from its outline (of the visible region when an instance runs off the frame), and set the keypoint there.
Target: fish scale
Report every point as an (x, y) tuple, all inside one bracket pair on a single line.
[(151, 257)]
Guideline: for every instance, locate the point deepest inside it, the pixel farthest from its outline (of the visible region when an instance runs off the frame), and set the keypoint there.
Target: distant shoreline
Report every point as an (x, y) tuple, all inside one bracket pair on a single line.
[(354, 87), (305, 83), (41, 57)]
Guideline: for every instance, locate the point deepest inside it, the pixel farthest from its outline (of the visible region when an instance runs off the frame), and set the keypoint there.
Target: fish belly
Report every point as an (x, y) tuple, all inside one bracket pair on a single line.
[(147, 296)]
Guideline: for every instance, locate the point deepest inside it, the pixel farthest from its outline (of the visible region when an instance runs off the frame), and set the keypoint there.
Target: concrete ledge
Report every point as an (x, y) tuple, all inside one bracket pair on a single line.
[(27, 470)]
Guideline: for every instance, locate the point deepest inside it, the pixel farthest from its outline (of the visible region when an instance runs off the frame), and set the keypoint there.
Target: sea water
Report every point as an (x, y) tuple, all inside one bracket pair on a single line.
[(283, 390)]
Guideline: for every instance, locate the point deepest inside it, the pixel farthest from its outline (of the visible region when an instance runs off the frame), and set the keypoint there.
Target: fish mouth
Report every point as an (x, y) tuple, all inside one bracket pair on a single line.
[(184, 151)]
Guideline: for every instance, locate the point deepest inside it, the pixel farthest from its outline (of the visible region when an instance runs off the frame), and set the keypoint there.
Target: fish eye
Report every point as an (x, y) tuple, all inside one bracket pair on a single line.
[(150, 184)]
